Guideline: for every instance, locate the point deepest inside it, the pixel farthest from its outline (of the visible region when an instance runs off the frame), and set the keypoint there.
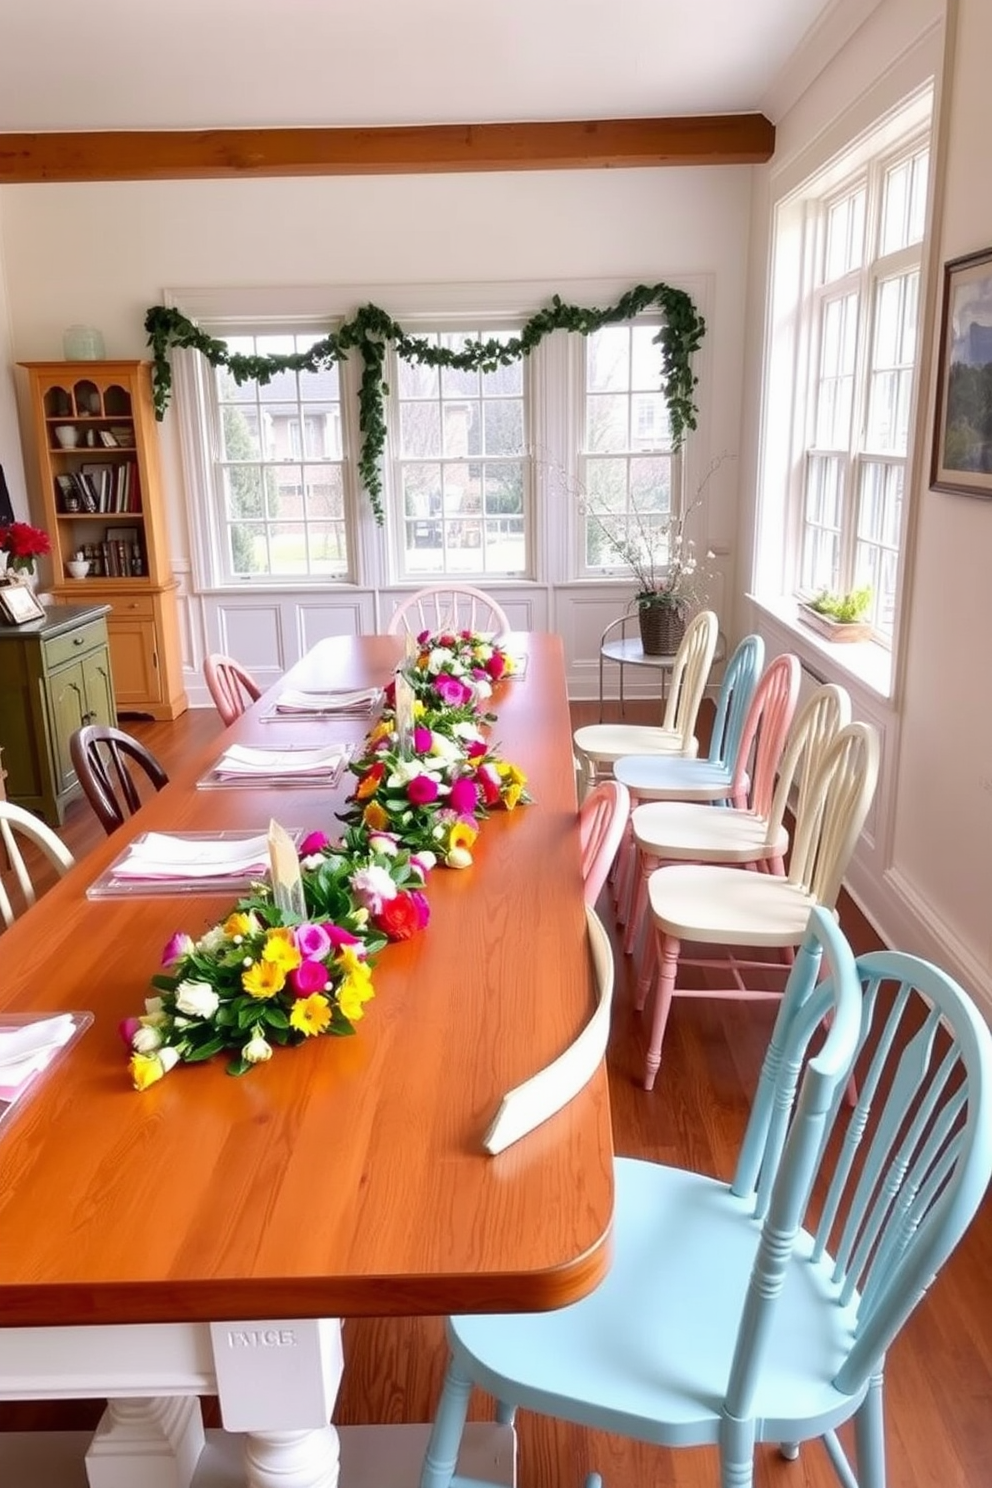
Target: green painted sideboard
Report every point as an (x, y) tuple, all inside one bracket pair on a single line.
[(54, 677)]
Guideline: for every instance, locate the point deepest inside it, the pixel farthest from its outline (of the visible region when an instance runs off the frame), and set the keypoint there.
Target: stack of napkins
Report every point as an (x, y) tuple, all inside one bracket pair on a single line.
[(24, 1051), (158, 855), (242, 762), (359, 704)]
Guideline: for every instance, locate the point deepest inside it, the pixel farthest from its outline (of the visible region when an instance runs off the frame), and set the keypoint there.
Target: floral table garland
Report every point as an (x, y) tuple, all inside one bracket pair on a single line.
[(258, 979)]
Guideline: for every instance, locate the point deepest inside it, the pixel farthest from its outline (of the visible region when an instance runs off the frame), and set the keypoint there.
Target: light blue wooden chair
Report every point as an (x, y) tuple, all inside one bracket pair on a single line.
[(673, 776), (742, 1313)]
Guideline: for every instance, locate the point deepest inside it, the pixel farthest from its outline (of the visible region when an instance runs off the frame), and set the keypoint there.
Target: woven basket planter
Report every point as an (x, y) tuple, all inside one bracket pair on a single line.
[(662, 629)]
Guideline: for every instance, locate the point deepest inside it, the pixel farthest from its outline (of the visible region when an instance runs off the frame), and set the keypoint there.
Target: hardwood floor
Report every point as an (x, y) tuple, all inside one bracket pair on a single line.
[(939, 1385)]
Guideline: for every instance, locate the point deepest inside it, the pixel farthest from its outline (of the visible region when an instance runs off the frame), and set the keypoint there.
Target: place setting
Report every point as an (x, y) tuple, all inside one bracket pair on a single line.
[(300, 703), (186, 863), (244, 765)]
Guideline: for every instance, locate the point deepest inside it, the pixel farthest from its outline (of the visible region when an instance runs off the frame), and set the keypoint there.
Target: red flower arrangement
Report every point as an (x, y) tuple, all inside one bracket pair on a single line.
[(23, 544)]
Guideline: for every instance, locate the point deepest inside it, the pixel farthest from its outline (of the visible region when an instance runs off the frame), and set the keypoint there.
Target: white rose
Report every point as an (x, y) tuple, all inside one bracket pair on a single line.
[(212, 941), (197, 999), (483, 688), (467, 731), (459, 857), (256, 1050), (168, 1058), (146, 1040)]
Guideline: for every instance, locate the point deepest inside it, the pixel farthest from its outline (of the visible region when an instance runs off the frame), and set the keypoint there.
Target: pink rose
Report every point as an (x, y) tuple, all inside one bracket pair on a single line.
[(314, 842), (422, 739), (464, 796), (340, 937), (422, 637), (422, 790), (451, 691), (308, 977), (421, 905), (312, 941), (127, 1028), (476, 747), (180, 945), (496, 665)]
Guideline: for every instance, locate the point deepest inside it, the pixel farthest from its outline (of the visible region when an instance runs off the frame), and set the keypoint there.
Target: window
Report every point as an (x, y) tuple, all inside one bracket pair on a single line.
[(626, 466), (460, 474), (279, 468), (861, 308)]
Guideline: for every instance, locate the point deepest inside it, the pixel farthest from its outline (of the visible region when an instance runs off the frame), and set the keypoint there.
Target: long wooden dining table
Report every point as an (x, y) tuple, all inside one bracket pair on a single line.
[(206, 1235)]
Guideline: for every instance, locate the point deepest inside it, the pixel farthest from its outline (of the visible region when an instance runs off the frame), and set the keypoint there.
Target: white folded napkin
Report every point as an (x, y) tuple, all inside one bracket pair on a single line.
[(243, 761), (358, 703), (161, 855), (27, 1049)]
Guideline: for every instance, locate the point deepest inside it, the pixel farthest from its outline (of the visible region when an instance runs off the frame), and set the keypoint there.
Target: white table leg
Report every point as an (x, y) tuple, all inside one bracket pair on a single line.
[(156, 1442), (278, 1380)]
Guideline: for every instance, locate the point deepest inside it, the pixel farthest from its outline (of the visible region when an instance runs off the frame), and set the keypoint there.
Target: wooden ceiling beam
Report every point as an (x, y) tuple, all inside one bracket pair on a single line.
[(174, 155)]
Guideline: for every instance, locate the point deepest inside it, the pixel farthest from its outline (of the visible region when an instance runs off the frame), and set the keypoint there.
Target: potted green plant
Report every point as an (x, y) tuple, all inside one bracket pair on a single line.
[(837, 616)]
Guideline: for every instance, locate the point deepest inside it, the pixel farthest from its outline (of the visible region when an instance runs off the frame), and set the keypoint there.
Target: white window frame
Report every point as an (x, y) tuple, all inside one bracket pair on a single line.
[(791, 367)]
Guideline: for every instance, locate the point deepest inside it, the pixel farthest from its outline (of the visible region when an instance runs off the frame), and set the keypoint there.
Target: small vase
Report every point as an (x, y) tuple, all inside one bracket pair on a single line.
[(662, 629)]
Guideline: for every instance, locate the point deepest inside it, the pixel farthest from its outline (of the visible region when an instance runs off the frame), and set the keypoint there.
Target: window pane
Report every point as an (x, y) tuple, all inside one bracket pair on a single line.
[(904, 199), (893, 360), (836, 386), (845, 246), (821, 523), (627, 492), (270, 497), (460, 459)]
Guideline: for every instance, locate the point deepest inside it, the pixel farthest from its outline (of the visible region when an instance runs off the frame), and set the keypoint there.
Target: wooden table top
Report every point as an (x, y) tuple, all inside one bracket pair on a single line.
[(346, 1176)]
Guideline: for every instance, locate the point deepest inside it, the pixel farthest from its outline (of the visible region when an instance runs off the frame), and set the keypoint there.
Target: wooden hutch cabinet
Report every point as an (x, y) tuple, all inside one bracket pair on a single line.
[(98, 464)]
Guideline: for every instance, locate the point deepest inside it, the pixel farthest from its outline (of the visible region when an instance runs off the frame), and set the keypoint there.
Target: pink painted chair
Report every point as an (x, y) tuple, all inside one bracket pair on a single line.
[(602, 822), (750, 787), (230, 686)]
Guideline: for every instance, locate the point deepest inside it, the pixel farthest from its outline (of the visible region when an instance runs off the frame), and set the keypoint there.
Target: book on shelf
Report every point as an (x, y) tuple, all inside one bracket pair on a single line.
[(107, 439)]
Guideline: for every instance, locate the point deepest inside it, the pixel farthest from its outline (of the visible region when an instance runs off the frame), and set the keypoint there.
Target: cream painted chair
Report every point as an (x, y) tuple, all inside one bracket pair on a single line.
[(715, 905), (16, 822), (600, 745), (448, 607)]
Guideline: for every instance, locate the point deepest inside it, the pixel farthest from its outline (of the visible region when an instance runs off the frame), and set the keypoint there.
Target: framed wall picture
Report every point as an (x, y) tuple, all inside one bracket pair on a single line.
[(961, 457), (19, 604)]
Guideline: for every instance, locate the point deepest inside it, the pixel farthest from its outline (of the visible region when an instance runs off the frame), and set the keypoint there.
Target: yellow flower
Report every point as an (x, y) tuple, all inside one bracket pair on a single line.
[(147, 1068), (373, 816), (381, 730), (352, 993), (240, 924), (280, 951), (263, 979), (511, 796), (311, 1014), (513, 773), (351, 962), (419, 707), (462, 835)]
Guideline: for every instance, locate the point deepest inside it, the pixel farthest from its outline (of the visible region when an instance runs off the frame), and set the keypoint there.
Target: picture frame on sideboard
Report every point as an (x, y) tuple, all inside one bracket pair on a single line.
[(19, 604)]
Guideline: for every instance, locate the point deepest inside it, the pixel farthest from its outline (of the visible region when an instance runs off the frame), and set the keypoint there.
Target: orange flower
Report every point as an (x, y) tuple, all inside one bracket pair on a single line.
[(373, 816)]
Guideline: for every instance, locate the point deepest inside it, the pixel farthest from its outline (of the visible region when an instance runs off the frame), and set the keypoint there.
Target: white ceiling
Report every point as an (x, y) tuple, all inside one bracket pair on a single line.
[(118, 64)]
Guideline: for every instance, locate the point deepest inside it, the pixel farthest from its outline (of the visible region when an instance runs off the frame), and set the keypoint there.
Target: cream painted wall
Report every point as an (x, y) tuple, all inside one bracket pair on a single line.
[(101, 254), (10, 444), (942, 841)]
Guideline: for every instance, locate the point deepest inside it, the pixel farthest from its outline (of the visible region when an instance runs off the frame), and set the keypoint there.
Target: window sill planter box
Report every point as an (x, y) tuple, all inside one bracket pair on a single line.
[(835, 630)]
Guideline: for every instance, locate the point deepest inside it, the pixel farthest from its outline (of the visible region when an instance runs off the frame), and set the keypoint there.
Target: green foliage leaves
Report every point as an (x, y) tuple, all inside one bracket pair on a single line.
[(372, 329)]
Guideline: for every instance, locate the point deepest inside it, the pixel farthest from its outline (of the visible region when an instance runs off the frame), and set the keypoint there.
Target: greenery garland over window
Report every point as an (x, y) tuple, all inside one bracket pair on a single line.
[(372, 329)]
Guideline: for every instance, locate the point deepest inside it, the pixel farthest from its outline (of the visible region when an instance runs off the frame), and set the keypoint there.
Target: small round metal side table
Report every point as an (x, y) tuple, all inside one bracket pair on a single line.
[(627, 650)]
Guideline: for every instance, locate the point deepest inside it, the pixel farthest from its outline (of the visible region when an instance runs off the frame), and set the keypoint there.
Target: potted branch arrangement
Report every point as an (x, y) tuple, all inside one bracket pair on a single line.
[(671, 580), (839, 617)]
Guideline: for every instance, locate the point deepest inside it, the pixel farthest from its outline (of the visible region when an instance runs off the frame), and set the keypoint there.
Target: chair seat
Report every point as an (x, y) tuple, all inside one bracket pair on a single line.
[(722, 905), (698, 833), (608, 742), (653, 779), (648, 1353)]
